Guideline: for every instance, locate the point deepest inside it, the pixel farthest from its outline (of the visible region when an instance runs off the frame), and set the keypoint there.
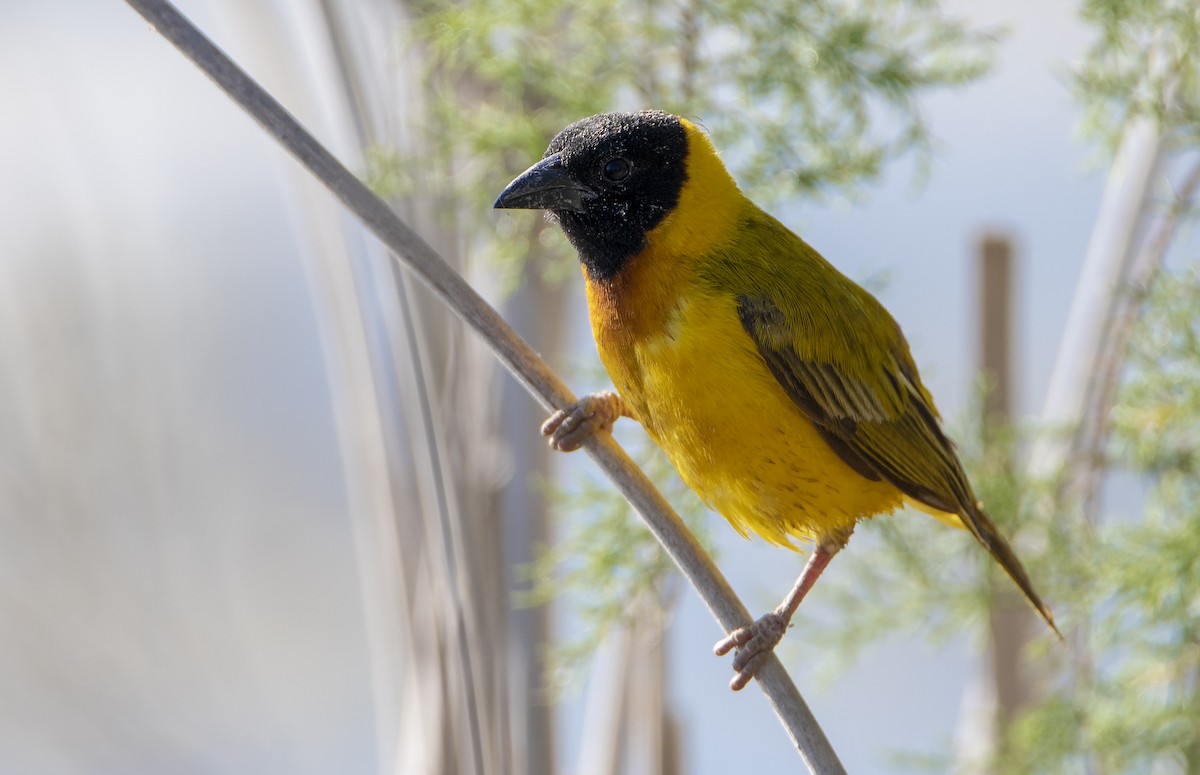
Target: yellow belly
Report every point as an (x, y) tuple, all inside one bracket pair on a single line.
[(703, 393)]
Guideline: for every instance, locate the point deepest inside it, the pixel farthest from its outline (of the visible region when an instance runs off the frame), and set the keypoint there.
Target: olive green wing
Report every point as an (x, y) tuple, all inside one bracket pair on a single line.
[(875, 414), (880, 422)]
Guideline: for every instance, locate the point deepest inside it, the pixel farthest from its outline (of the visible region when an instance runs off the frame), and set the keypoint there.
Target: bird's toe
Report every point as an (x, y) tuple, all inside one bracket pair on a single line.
[(754, 644), (569, 428)]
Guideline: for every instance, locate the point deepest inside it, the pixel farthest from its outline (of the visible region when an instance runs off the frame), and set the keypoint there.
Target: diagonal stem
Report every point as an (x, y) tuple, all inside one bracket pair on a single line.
[(513, 352)]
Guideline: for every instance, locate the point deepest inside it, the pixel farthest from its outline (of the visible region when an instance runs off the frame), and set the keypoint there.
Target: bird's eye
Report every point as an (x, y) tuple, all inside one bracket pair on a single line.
[(616, 169)]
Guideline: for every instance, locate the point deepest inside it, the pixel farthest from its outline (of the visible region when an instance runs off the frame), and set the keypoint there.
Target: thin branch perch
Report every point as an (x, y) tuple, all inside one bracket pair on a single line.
[(513, 352)]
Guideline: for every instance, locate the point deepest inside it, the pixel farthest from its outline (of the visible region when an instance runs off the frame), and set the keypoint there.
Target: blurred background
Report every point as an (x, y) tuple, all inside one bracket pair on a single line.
[(266, 507)]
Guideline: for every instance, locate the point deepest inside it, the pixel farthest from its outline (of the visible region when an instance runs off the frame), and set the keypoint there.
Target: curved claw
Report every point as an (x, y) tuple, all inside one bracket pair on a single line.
[(569, 428), (754, 644)]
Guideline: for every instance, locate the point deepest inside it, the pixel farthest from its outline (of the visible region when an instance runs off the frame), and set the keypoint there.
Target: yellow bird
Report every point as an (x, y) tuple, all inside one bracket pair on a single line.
[(784, 394)]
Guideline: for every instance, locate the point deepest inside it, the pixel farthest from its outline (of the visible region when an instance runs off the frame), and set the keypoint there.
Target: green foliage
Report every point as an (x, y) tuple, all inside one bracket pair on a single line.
[(1145, 61), (1158, 420), (826, 92), (608, 567), (1134, 704), (801, 96)]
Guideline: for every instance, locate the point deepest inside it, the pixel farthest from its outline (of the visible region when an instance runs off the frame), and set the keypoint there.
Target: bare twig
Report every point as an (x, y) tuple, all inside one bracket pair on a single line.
[(1112, 235), (1093, 431), (512, 351)]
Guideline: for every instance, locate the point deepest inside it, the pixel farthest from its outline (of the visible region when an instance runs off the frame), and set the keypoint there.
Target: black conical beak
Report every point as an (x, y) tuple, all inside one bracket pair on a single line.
[(545, 186)]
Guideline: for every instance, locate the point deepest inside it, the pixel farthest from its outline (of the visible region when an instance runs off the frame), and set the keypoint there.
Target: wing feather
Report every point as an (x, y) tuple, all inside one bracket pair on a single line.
[(885, 424)]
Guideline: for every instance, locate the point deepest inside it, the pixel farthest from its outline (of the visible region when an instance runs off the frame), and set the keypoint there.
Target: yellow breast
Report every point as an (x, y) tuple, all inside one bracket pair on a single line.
[(702, 392)]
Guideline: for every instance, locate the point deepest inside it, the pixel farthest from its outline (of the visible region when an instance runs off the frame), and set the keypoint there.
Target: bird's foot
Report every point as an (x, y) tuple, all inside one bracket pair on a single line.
[(569, 428), (754, 644)]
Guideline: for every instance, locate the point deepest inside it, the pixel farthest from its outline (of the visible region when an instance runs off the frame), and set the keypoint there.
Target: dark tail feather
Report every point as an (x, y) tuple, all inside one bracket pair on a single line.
[(983, 529)]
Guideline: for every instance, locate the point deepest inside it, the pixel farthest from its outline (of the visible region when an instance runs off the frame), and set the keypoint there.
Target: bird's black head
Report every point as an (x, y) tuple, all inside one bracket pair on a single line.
[(608, 180)]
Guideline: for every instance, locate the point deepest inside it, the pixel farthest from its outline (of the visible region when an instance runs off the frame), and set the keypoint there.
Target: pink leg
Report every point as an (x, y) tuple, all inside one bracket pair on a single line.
[(756, 642)]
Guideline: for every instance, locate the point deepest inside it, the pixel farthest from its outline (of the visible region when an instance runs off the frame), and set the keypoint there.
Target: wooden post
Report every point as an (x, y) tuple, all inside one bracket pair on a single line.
[(995, 330), (1009, 617)]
